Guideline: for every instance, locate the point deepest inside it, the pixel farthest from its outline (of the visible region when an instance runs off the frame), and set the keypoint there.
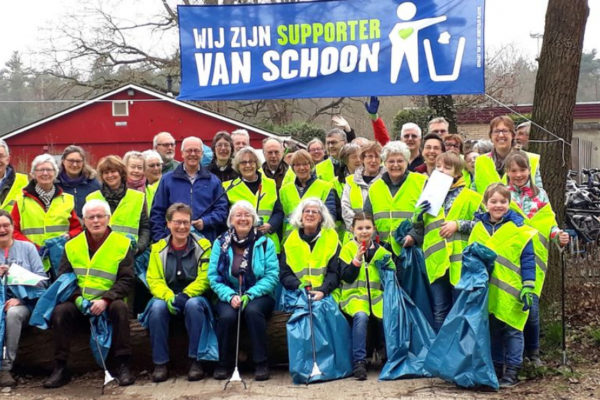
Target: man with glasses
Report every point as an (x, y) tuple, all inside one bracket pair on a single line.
[(410, 133), (103, 263), (192, 184), (331, 168), (11, 182), (164, 144), (439, 126)]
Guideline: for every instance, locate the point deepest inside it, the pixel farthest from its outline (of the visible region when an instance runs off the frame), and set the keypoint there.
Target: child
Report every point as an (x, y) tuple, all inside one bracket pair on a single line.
[(361, 295), (445, 236), (512, 280), (533, 205)]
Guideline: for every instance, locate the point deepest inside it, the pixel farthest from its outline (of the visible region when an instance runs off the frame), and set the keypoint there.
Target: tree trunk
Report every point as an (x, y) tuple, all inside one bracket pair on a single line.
[(444, 107), (554, 102)]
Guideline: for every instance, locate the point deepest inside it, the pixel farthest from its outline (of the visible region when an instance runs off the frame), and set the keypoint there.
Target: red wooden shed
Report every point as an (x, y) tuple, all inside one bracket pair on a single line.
[(124, 119)]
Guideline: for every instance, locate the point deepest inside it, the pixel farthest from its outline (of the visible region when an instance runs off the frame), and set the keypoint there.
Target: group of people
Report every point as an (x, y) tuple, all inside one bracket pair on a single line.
[(229, 233)]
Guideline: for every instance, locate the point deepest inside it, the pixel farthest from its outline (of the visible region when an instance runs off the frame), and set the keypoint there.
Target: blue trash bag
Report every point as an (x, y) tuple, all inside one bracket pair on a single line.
[(208, 346), (27, 294), (207, 155), (59, 292), (408, 334), (56, 249), (413, 273), (141, 266), (332, 339), (100, 333), (461, 352)]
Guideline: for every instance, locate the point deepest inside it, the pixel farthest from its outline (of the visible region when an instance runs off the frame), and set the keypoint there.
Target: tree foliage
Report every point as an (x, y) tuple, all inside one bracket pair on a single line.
[(420, 116)]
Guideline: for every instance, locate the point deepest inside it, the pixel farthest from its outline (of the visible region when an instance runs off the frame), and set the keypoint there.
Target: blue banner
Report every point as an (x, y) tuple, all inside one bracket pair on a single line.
[(331, 49)]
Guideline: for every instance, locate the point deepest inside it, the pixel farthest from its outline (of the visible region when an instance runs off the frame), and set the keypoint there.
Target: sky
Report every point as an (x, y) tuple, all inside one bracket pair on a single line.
[(25, 24)]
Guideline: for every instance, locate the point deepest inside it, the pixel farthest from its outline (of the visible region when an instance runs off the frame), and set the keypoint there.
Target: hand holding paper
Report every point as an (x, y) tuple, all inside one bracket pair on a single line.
[(435, 191)]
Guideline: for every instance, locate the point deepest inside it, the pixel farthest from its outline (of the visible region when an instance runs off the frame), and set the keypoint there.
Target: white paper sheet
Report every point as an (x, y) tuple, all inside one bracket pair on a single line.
[(18, 275), (435, 191)]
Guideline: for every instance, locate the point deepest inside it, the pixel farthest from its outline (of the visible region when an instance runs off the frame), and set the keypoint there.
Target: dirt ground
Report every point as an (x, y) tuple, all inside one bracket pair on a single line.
[(583, 383)]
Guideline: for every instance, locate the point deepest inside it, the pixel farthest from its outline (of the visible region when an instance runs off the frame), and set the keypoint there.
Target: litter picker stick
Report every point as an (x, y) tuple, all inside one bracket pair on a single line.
[(235, 376), (107, 376), (232, 184)]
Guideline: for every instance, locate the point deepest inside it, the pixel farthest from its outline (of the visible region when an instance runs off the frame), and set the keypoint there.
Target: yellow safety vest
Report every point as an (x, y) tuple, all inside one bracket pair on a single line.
[(290, 198), (96, 276), (356, 198), (240, 191), (543, 221), (326, 172), (289, 177), (19, 183), (310, 266), (388, 211), (39, 225), (150, 192), (467, 177), (441, 254), (126, 217), (485, 171), (506, 283), (354, 296)]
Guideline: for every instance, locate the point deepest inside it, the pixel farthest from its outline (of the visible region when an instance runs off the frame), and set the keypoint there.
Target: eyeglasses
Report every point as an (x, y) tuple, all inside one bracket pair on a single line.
[(95, 217), (242, 215), (251, 162), (223, 146), (432, 148), (171, 144), (44, 170), (157, 165), (331, 142), (316, 150), (310, 211), (455, 145), (192, 151), (181, 222), (73, 161), (413, 136), (500, 132)]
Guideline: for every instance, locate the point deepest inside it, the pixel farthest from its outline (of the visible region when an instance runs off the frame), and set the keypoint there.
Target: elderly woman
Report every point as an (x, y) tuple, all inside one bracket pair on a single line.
[(76, 176), (433, 146), (316, 149), (489, 168), (222, 147), (243, 272), (258, 190), (134, 165), (310, 253), (357, 185), (44, 211), (153, 172), (392, 198), (305, 185), (177, 278), (127, 206)]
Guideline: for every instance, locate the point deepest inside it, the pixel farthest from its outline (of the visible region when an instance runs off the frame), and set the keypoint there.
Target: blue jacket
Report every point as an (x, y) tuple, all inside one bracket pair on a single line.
[(176, 187), (79, 191), (264, 267), (527, 256)]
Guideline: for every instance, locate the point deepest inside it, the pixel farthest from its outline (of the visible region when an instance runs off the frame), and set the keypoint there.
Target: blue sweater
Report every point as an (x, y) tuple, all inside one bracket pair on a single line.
[(527, 256)]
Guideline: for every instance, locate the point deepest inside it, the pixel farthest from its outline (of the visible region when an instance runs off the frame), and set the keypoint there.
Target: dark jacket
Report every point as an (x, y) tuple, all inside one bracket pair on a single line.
[(224, 175), (276, 175), (9, 179), (79, 190), (176, 187)]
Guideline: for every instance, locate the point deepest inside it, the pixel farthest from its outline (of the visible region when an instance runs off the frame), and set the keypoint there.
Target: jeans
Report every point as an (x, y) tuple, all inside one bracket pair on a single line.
[(158, 324), (16, 318), (360, 329), (441, 300), (255, 314), (531, 333), (507, 343)]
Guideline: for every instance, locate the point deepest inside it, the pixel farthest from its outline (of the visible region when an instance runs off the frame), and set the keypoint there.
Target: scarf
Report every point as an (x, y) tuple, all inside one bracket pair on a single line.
[(66, 179), (45, 197), (113, 197), (137, 184), (228, 238)]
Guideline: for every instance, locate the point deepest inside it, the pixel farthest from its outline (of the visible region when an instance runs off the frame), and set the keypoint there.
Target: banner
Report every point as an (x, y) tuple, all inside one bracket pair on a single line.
[(331, 49)]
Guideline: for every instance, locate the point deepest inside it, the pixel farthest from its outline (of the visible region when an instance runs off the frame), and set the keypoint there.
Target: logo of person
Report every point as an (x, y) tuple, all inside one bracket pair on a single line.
[(404, 38)]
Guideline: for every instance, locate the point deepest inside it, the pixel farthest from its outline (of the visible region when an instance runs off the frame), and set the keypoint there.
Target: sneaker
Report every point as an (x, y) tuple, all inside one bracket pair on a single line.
[(534, 358), (7, 380), (196, 371), (220, 373), (360, 370), (160, 373), (510, 377), (59, 377), (261, 372)]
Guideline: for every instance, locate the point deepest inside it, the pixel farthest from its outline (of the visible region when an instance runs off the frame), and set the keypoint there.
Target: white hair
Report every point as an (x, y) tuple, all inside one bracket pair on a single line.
[(326, 219), (246, 206), (3, 144), (411, 125), (93, 203), (339, 132), (241, 132), (235, 163), (134, 154), (150, 154), (190, 138), (155, 139), (44, 158), (395, 147)]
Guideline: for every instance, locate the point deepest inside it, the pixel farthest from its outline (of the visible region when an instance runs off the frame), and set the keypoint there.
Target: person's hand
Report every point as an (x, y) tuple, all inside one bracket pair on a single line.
[(171, 307), (360, 252), (264, 228), (180, 300), (526, 297), (316, 295), (373, 105), (448, 229), (244, 300), (408, 241), (11, 303), (3, 270), (65, 236), (79, 303), (340, 122), (98, 307), (236, 302), (198, 224), (563, 238), (420, 210)]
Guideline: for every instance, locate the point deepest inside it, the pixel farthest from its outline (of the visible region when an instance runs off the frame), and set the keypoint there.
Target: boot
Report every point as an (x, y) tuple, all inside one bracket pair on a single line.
[(221, 372), (360, 370), (510, 377), (7, 380), (261, 372), (196, 371), (160, 373), (124, 375), (534, 358), (59, 376)]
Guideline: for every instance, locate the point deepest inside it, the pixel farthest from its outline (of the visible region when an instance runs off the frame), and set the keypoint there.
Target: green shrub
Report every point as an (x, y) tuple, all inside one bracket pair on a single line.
[(420, 116)]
